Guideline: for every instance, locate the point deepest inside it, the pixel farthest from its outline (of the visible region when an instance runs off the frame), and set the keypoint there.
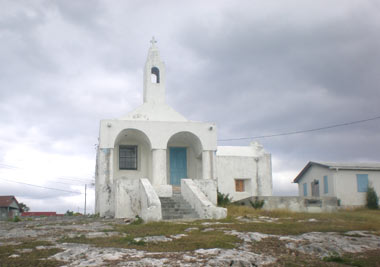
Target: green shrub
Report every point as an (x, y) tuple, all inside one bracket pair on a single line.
[(138, 220), (372, 199), (16, 219), (257, 204), (223, 199), (69, 213)]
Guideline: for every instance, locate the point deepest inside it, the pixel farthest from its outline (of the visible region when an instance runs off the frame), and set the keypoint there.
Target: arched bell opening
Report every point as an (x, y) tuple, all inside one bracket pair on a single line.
[(155, 75)]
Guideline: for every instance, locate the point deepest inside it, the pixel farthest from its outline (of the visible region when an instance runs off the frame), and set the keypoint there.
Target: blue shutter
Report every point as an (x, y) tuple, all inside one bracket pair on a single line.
[(362, 180), (305, 189), (325, 184)]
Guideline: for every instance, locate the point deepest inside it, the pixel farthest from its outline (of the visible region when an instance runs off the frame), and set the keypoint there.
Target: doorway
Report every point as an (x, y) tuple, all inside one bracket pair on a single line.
[(178, 164)]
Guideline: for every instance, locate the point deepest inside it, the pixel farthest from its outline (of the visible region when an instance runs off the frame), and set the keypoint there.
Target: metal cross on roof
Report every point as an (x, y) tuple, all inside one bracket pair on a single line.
[(153, 41)]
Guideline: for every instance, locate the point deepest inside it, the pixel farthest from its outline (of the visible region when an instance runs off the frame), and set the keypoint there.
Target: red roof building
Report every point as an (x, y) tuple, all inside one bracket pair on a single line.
[(40, 213)]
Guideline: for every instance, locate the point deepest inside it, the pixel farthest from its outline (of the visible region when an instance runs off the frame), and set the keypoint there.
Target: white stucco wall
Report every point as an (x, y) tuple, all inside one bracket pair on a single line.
[(127, 198), (347, 190), (158, 132), (316, 172), (249, 163)]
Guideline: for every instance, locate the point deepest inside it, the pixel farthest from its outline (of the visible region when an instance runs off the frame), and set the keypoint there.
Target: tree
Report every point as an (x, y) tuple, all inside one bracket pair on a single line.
[(372, 199), (24, 207), (69, 213)]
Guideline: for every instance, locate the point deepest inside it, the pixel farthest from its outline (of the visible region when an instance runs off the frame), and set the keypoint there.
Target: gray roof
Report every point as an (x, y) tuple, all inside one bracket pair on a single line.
[(351, 165), (368, 166)]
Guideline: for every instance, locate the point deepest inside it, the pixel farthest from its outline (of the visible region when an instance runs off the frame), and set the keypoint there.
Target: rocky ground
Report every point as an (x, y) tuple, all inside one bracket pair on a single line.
[(251, 249)]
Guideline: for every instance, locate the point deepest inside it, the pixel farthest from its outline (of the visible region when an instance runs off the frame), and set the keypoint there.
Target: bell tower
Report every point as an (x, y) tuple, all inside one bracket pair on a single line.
[(154, 76)]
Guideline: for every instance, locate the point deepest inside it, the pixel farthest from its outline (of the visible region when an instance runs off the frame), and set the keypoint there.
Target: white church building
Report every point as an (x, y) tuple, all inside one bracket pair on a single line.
[(143, 156)]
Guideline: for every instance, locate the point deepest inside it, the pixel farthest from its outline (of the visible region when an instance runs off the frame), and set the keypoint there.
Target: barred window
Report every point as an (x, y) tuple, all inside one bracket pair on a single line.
[(128, 157)]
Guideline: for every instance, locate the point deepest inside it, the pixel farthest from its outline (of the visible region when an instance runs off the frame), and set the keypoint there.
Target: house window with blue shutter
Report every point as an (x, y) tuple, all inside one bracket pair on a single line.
[(362, 180), (305, 189), (325, 184)]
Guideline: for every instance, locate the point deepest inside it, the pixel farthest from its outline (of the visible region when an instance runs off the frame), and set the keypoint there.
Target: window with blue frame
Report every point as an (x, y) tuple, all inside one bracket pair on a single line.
[(362, 180), (325, 184), (305, 189)]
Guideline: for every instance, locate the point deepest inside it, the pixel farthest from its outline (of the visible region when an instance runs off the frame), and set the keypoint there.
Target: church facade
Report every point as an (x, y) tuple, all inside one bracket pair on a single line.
[(143, 155)]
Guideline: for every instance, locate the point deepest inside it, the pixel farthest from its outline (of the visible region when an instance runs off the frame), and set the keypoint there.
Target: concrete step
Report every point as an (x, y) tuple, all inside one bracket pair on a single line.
[(176, 189), (176, 207)]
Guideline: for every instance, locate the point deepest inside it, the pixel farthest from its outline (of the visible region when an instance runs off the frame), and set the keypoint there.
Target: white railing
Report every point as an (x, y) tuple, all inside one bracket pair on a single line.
[(198, 201), (150, 203)]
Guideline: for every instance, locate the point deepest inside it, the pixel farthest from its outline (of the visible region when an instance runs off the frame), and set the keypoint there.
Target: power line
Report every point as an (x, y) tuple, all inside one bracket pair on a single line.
[(67, 191), (302, 131), (56, 182), (79, 180)]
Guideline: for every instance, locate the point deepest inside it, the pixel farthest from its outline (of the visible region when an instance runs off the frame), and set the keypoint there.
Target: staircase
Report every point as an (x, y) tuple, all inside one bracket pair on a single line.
[(176, 207)]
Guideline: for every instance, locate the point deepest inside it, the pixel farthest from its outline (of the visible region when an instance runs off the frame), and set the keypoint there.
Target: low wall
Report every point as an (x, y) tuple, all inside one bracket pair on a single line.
[(127, 198), (208, 188), (198, 201), (293, 203), (150, 203)]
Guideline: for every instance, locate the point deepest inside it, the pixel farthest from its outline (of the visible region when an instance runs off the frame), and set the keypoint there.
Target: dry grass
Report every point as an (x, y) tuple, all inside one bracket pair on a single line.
[(153, 228), (195, 240), (34, 258), (240, 218), (297, 223)]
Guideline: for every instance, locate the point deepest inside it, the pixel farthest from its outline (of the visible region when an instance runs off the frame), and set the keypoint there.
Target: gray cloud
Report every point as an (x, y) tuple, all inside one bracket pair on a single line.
[(252, 67)]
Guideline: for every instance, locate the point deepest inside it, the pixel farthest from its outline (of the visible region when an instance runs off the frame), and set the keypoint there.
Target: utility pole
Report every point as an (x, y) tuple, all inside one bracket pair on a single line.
[(85, 198)]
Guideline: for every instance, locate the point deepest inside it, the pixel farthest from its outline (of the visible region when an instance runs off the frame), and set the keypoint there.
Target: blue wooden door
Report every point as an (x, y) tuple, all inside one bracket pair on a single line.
[(178, 165)]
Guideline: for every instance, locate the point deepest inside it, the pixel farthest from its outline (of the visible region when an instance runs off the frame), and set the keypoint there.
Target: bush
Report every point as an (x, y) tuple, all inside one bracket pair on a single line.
[(372, 199), (138, 220), (257, 204), (69, 213), (223, 199), (16, 219)]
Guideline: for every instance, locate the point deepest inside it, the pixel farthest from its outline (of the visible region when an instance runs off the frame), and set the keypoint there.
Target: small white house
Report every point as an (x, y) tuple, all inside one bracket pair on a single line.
[(144, 154), (346, 181)]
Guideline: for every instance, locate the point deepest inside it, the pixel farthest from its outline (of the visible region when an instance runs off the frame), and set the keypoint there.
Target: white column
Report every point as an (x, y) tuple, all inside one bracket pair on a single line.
[(104, 183), (213, 165), (206, 164), (257, 178), (159, 167)]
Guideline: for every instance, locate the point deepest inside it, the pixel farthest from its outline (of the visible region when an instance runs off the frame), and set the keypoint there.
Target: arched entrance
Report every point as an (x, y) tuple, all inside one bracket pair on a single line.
[(132, 155), (184, 157)]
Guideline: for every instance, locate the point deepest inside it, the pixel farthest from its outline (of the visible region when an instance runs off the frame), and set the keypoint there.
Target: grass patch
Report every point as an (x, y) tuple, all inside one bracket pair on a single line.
[(297, 222), (34, 258), (195, 240), (368, 258), (153, 228)]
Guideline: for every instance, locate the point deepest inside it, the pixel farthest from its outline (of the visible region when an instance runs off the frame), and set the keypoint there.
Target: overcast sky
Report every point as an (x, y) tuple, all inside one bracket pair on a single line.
[(253, 67)]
